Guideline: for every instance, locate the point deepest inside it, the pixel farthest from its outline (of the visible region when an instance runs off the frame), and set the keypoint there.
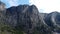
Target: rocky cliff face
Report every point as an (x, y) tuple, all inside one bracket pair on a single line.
[(23, 16), (2, 12), (27, 19), (53, 20)]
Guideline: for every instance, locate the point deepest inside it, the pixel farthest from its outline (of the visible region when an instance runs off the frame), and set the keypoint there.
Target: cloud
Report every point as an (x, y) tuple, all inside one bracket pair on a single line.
[(10, 3), (35, 2), (13, 2), (46, 5)]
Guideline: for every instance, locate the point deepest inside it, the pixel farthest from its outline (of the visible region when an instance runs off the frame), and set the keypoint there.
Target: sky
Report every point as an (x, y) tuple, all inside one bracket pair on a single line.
[(44, 6)]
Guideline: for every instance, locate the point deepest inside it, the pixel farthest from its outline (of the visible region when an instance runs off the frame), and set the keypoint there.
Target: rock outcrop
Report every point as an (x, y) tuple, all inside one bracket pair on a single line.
[(23, 16)]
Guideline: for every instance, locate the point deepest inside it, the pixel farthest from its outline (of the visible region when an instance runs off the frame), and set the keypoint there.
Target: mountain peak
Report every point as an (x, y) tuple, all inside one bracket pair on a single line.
[(24, 8), (2, 6)]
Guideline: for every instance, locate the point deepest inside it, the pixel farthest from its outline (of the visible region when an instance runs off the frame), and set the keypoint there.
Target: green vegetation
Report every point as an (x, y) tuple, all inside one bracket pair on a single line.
[(6, 29)]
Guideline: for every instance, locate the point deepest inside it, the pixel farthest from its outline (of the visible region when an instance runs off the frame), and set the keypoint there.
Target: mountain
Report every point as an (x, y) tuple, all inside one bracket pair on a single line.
[(26, 19), (53, 20)]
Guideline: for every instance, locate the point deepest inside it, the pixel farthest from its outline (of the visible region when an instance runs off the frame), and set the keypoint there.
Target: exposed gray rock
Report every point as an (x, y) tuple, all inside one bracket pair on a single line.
[(28, 19)]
